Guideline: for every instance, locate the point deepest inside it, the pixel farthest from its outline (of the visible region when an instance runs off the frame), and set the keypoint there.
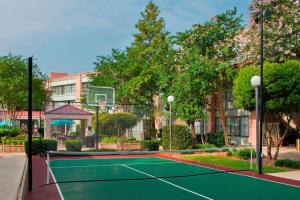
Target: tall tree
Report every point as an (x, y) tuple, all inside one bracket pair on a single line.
[(281, 32), (215, 42), (14, 86), (149, 55)]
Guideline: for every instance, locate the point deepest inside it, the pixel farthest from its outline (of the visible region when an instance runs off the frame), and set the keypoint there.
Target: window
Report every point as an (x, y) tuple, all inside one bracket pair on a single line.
[(64, 89), (236, 125)]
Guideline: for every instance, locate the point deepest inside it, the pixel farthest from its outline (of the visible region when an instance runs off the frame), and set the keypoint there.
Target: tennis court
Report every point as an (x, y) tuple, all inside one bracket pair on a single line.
[(153, 177)]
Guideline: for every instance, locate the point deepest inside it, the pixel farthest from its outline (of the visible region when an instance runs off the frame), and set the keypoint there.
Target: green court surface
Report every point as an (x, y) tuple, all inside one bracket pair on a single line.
[(152, 178)]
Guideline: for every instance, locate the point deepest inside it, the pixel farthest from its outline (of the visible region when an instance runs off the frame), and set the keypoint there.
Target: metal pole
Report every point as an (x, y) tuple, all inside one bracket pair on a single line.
[(261, 102), (29, 124), (97, 127), (170, 136), (257, 126)]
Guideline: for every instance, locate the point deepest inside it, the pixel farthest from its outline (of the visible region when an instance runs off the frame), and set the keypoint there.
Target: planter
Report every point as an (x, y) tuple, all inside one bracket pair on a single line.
[(297, 144), (12, 148), (118, 146)]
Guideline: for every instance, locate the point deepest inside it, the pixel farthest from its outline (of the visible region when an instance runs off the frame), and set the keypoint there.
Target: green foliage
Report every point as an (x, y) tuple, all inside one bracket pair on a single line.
[(9, 132), (216, 139), (41, 146), (288, 163), (204, 146), (109, 139), (243, 91), (181, 137), (115, 123), (282, 84), (13, 85), (151, 145), (73, 145), (137, 72), (21, 137), (245, 153), (4, 140)]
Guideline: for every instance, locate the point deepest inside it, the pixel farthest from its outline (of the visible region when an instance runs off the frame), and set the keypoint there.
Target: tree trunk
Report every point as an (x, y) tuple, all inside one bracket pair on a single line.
[(194, 137), (221, 110), (267, 135), (279, 139)]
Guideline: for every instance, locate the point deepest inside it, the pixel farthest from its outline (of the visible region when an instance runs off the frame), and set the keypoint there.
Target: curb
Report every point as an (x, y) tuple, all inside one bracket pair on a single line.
[(22, 183)]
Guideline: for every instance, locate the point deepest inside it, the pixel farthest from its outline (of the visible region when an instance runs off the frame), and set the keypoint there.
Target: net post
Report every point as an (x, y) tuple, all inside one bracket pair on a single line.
[(48, 168), (97, 127), (251, 156)]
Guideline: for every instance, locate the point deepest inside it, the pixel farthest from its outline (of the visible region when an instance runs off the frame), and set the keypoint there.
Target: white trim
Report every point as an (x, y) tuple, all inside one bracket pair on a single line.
[(234, 173), (110, 165), (57, 186), (185, 189)]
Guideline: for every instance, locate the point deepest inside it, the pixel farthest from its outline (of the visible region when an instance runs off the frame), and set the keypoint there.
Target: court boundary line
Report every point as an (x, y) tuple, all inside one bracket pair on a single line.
[(110, 165), (234, 173), (104, 158), (56, 184), (185, 189)]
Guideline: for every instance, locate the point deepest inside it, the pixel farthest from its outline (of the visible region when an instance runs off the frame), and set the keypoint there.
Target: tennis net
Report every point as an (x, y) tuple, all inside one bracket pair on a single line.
[(71, 167)]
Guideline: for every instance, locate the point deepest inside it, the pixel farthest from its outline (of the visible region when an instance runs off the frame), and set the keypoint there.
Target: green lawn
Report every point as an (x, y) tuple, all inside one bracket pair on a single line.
[(230, 163)]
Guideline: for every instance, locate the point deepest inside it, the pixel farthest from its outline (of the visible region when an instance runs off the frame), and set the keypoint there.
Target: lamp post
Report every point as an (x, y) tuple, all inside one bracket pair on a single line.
[(255, 82), (170, 100)]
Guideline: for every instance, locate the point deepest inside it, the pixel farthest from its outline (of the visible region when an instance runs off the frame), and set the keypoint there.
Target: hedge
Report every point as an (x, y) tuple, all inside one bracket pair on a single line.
[(9, 132), (242, 153), (216, 139), (204, 146), (5, 140), (288, 163), (73, 145), (41, 146), (151, 145), (181, 137)]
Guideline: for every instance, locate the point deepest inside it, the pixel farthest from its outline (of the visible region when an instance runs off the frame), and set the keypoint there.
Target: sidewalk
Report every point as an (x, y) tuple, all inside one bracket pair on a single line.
[(293, 175), (288, 152), (11, 170)]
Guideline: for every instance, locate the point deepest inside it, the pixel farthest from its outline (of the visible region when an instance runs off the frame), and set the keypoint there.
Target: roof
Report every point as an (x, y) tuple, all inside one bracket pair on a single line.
[(69, 110)]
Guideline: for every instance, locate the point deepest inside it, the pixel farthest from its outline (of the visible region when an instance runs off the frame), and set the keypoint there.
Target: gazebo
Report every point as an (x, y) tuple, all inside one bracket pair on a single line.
[(68, 112)]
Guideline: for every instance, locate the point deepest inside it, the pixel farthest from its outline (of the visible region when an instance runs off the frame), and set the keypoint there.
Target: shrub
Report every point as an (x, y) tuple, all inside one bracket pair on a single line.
[(229, 153), (151, 145), (109, 139), (181, 137), (13, 141), (21, 137), (204, 146), (245, 153), (216, 139), (288, 163), (41, 146), (73, 145), (9, 132)]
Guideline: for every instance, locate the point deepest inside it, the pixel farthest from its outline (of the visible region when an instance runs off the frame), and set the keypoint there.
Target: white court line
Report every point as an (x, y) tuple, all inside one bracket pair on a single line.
[(54, 160), (141, 172), (57, 186), (233, 173), (110, 165)]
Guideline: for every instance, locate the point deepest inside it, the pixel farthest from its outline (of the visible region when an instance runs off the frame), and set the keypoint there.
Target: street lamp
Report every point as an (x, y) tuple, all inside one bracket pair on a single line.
[(255, 82), (170, 100)]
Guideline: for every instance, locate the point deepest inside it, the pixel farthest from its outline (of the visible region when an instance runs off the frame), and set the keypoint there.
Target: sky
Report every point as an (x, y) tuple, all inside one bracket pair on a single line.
[(68, 35)]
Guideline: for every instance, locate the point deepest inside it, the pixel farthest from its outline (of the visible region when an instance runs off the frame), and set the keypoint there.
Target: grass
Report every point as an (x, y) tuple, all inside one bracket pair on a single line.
[(231, 163)]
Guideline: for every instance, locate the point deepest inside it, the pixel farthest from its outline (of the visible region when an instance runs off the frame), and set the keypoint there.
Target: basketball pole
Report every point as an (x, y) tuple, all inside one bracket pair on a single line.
[(97, 127), (29, 124)]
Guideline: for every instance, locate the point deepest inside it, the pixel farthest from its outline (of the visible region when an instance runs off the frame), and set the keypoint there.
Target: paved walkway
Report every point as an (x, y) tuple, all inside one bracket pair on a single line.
[(11, 170), (294, 175), (285, 153)]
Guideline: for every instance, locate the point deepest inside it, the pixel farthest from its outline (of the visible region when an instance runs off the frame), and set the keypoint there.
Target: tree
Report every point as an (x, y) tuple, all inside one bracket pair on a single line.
[(216, 45), (149, 56), (282, 98), (14, 86), (281, 32)]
